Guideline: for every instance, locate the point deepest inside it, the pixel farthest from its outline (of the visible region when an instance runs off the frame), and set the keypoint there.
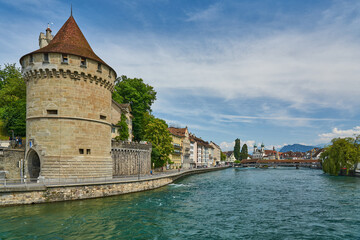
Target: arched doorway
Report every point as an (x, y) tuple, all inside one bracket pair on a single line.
[(33, 165)]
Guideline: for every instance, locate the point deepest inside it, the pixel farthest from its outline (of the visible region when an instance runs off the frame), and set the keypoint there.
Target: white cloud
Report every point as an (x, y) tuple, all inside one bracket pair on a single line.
[(335, 133), (204, 15), (229, 146), (306, 69)]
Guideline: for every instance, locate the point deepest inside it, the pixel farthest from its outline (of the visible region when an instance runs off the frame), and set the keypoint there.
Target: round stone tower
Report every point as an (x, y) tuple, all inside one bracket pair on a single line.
[(68, 128)]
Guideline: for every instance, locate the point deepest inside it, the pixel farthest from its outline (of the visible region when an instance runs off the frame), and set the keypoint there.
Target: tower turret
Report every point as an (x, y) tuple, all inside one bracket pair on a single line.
[(68, 128), (44, 40)]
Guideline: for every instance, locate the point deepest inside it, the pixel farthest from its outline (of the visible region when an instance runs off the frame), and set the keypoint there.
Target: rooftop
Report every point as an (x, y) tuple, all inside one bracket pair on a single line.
[(70, 40)]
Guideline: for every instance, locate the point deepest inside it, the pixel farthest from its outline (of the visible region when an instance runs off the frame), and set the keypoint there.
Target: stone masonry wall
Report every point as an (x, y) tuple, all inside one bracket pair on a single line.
[(130, 158), (56, 194), (68, 116), (41, 194), (10, 163)]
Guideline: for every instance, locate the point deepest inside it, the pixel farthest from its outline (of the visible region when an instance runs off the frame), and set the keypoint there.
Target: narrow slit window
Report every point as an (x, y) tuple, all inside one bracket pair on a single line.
[(81, 151), (88, 151), (102, 117), (31, 58), (46, 57), (65, 58), (99, 67), (52, 111), (83, 62)]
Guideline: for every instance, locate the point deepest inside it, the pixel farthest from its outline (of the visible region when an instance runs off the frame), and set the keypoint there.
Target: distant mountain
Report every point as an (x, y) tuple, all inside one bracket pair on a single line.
[(296, 148)]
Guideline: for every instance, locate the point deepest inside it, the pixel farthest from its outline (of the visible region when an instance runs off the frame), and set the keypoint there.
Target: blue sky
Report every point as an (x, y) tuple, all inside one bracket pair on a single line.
[(278, 72)]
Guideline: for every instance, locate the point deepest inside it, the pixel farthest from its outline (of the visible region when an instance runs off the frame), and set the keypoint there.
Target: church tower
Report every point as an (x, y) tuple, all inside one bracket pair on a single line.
[(68, 112)]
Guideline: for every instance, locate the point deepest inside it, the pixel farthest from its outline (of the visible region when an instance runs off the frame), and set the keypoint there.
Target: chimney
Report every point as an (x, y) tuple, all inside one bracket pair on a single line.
[(49, 37)]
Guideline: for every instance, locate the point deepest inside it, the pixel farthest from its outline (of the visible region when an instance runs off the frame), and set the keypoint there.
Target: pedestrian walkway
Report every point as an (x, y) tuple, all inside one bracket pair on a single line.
[(33, 183)]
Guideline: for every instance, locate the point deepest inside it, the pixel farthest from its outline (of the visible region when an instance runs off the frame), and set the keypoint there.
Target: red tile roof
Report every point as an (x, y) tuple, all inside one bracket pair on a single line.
[(180, 132), (200, 142), (70, 40), (270, 152)]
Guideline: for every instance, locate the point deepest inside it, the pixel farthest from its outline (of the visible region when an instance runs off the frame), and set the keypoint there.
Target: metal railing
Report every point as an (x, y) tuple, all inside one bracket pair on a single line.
[(36, 182)]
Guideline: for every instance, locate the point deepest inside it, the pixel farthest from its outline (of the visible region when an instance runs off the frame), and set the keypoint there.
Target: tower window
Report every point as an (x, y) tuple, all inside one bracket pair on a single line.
[(31, 58), (52, 112), (46, 57), (99, 67), (81, 151), (102, 117), (65, 58), (109, 73), (88, 151), (82, 62)]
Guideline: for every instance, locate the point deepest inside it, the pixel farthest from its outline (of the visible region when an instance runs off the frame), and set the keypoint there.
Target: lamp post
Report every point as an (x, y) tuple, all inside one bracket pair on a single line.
[(139, 165)]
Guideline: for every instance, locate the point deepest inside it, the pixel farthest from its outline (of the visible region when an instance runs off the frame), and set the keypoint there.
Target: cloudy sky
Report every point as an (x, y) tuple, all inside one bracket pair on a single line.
[(278, 72)]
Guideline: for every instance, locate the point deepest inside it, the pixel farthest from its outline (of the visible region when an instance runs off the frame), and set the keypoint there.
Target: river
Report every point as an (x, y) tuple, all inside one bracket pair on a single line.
[(282, 203)]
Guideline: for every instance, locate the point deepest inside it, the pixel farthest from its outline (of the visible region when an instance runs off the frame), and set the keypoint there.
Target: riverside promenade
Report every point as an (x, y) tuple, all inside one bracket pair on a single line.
[(41, 192)]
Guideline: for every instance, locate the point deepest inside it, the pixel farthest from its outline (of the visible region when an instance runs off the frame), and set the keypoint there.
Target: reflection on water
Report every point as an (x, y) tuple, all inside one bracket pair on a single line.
[(230, 204)]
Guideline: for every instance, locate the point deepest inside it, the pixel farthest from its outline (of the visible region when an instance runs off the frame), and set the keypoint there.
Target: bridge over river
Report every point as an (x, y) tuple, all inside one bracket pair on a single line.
[(262, 163)]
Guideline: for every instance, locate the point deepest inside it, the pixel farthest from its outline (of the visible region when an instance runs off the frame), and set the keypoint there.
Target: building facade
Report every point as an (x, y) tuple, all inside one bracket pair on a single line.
[(181, 143), (230, 157), (259, 153), (216, 153)]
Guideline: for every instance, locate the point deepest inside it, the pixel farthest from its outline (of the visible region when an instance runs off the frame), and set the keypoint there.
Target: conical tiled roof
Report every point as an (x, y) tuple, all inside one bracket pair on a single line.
[(70, 40)]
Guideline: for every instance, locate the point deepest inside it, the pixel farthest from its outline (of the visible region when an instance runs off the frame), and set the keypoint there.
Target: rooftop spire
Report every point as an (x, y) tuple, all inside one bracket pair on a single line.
[(71, 9)]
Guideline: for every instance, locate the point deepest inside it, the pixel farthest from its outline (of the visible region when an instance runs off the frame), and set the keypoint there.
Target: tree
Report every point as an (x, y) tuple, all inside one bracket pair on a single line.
[(223, 156), (140, 96), (13, 100), (237, 149), (344, 153), (123, 129), (244, 152), (156, 132)]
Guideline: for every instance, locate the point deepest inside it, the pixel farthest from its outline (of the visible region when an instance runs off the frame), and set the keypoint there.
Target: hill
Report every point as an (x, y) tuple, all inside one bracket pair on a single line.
[(296, 148)]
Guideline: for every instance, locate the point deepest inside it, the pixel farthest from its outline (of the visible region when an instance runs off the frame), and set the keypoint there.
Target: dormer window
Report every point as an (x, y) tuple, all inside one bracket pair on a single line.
[(46, 57), (82, 62), (65, 58), (99, 67), (31, 58)]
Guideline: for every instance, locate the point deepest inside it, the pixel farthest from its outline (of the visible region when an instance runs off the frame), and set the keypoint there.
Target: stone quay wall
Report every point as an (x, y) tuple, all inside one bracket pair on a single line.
[(11, 161), (130, 158), (31, 194)]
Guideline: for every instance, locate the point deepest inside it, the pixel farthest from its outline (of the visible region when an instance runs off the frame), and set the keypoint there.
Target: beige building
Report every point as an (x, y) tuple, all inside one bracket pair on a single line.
[(230, 157), (68, 115), (216, 153), (117, 110)]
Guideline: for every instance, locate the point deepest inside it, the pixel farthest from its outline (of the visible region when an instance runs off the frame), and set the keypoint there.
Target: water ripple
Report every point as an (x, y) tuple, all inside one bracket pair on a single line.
[(229, 204)]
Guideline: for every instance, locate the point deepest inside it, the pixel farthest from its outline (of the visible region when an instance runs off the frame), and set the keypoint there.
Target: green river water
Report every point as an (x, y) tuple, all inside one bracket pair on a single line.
[(282, 203)]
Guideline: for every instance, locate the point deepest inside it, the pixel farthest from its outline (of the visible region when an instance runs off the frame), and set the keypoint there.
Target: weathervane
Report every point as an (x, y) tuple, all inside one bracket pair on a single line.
[(50, 23)]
